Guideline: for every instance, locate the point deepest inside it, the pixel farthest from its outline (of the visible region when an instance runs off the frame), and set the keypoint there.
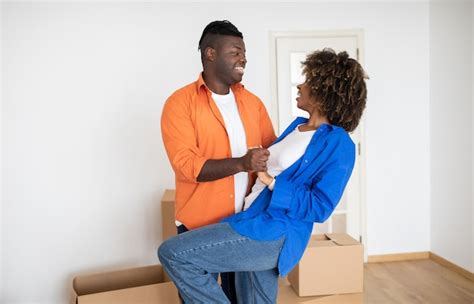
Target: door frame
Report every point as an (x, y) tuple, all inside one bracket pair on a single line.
[(361, 150)]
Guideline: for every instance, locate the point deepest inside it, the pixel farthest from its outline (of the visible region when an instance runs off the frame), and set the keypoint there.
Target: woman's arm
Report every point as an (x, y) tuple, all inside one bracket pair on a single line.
[(316, 201)]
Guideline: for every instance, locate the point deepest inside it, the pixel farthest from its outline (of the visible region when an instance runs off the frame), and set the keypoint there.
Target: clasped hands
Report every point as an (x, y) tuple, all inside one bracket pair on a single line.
[(255, 160)]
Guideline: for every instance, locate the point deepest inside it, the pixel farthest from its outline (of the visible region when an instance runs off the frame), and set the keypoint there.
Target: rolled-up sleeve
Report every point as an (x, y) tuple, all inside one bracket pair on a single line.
[(180, 141)]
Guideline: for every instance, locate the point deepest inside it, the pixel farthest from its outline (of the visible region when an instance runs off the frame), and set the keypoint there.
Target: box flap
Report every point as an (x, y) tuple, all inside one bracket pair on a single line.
[(320, 240), (169, 196), (319, 237), (107, 281), (162, 293), (342, 239)]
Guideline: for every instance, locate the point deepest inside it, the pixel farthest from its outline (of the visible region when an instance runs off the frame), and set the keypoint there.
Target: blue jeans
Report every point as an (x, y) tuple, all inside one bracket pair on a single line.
[(191, 258), (227, 278)]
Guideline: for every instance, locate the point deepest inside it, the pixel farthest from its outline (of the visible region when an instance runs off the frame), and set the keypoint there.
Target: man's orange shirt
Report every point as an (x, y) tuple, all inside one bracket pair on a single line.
[(193, 131)]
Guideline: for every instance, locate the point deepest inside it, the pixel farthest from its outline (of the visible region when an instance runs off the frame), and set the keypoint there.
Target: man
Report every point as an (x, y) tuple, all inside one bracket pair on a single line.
[(214, 131)]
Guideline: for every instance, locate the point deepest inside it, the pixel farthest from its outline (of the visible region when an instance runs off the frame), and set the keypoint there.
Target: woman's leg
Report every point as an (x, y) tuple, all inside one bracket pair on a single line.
[(257, 286), (227, 278), (190, 258)]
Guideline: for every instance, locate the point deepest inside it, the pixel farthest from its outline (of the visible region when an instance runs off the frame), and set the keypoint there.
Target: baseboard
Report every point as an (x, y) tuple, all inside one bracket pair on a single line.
[(398, 257), (442, 261), (421, 256)]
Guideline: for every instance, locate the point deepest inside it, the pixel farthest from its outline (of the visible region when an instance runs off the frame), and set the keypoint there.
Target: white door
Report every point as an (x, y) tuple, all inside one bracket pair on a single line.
[(289, 50)]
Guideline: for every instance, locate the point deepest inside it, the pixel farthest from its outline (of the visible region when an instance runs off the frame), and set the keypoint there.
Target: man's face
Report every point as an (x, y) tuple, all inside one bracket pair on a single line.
[(230, 59)]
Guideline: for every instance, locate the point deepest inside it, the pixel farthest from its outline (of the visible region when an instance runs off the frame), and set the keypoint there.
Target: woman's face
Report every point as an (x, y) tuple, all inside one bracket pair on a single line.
[(304, 101)]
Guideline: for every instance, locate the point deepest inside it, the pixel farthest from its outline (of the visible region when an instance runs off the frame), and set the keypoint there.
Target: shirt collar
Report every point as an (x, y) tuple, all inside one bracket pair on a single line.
[(234, 87)]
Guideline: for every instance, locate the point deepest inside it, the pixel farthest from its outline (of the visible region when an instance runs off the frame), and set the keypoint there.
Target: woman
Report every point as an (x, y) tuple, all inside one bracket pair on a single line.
[(308, 169)]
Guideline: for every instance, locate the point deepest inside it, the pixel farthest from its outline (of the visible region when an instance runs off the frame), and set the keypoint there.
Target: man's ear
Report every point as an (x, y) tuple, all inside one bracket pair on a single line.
[(210, 53)]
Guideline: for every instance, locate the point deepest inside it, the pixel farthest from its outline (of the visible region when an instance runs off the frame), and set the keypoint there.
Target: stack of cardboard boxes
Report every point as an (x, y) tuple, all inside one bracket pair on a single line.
[(330, 271)]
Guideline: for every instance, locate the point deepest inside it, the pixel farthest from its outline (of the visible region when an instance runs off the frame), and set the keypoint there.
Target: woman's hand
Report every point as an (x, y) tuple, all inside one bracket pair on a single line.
[(265, 178)]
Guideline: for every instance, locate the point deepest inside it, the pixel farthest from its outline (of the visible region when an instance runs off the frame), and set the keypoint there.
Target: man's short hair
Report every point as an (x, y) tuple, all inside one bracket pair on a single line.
[(215, 29)]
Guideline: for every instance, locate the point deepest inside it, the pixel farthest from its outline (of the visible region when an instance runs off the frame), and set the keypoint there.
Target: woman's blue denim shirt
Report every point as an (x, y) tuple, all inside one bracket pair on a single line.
[(306, 192)]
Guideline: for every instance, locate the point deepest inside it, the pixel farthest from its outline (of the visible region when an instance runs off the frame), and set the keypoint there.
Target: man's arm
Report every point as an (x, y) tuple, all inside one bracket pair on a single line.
[(254, 160), (187, 162), (179, 139)]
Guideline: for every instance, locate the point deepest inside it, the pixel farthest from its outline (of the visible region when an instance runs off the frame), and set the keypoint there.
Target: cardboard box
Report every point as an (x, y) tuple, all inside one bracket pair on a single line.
[(167, 214), (286, 295), (333, 263), (143, 285)]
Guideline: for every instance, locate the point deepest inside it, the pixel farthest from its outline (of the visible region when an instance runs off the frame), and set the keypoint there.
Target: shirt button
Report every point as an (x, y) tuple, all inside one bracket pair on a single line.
[(231, 196), (305, 160)]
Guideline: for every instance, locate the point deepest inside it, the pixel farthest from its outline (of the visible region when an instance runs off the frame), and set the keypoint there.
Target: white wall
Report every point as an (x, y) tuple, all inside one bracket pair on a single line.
[(397, 128), (451, 132), (472, 134), (83, 159), (1, 148)]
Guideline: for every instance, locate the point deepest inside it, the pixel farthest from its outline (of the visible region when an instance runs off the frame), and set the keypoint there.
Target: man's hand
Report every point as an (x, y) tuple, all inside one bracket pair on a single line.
[(265, 178), (255, 160), (214, 169)]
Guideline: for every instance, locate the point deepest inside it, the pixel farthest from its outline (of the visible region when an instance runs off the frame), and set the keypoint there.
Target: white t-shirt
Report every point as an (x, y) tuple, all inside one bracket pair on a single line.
[(237, 139), (282, 155)]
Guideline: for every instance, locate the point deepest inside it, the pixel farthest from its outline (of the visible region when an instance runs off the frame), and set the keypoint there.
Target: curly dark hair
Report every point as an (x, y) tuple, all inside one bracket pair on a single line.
[(337, 82)]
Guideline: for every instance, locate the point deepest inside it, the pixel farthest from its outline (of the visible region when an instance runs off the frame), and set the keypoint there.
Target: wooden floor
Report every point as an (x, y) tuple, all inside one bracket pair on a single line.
[(421, 281)]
